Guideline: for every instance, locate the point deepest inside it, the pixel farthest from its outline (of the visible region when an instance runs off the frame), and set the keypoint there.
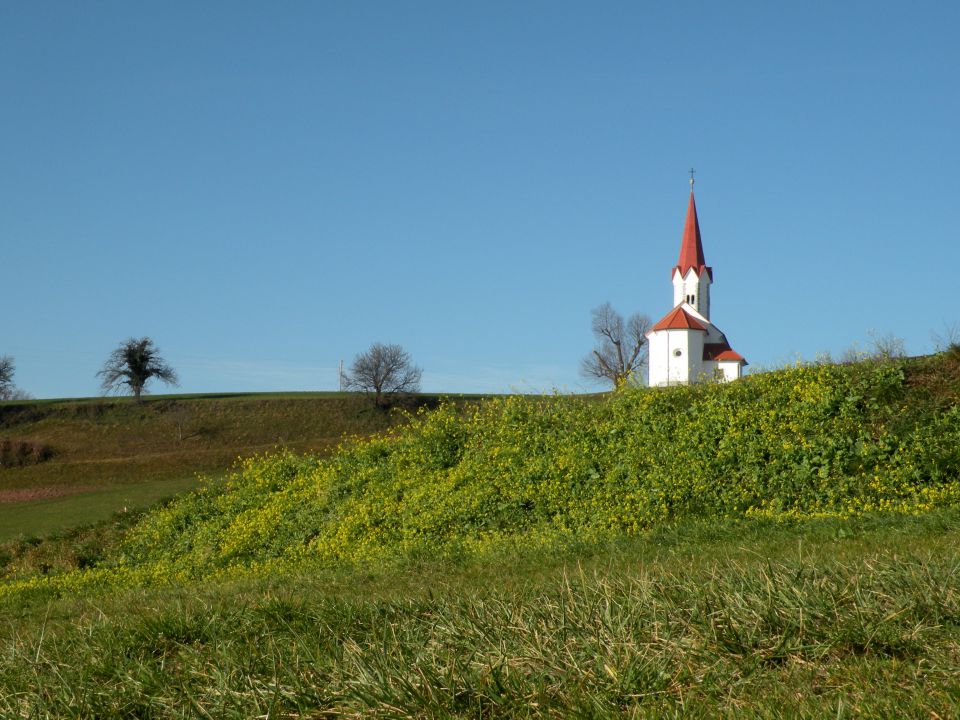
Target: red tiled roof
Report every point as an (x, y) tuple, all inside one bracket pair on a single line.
[(721, 352), (679, 319), (691, 247), (731, 355)]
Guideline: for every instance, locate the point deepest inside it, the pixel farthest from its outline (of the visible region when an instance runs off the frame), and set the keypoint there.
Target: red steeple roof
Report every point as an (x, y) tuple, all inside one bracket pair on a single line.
[(691, 248), (679, 319)]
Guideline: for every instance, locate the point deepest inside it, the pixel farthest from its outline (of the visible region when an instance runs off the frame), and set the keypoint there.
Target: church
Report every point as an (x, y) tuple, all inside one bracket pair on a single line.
[(685, 346)]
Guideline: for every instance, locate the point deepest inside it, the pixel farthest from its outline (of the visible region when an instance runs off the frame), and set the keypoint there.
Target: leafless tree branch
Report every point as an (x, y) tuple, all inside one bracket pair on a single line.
[(8, 391), (621, 348), (132, 365), (383, 370)]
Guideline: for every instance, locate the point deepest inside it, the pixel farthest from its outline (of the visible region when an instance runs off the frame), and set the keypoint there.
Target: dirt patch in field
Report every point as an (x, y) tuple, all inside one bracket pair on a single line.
[(8, 497)]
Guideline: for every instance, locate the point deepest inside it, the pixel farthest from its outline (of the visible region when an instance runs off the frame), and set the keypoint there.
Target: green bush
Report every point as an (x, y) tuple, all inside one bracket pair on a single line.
[(811, 441)]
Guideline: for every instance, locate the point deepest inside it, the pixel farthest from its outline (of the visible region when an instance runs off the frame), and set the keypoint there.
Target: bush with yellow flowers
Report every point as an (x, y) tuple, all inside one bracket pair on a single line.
[(809, 441)]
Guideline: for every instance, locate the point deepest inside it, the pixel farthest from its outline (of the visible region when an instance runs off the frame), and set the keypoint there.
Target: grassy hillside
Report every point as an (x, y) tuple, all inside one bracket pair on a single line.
[(111, 454), (825, 618), (814, 441), (780, 545)]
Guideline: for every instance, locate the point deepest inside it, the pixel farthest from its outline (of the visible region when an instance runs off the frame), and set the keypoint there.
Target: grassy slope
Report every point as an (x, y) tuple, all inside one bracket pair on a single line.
[(825, 618), (111, 454), (855, 614), (807, 442)]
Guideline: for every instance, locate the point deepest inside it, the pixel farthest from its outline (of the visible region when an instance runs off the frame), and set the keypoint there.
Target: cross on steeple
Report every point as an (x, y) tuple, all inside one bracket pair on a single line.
[(692, 171)]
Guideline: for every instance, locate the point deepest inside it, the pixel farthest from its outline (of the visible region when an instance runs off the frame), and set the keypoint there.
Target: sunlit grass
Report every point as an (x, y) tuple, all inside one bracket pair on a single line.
[(108, 453), (780, 547), (45, 517), (823, 618)]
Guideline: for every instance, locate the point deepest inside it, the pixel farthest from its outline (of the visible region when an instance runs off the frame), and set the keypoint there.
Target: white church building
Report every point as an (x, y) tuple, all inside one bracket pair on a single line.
[(685, 346)]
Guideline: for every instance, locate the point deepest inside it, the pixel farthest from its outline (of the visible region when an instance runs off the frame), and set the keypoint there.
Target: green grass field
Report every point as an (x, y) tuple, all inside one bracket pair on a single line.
[(41, 518), (111, 453), (783, 546), (827, 618)]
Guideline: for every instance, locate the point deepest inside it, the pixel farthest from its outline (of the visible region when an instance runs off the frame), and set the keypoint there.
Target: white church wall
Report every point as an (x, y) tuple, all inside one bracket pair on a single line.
[(694, 286), (731, 370), (658, 357), (703, 296), (695, 342), (679, 289), (708, 371), (675, 356), (719, 371)]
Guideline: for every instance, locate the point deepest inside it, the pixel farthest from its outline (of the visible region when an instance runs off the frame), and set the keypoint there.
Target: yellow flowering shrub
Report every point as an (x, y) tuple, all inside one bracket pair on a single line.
[(808, 441)]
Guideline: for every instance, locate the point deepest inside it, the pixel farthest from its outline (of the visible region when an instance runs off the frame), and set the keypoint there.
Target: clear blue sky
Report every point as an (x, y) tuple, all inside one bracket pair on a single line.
[(266, 188)]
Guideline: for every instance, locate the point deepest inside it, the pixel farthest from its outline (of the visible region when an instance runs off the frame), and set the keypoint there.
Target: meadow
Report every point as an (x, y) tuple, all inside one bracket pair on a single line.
[(780, 546), (821, 618), (111, 454)]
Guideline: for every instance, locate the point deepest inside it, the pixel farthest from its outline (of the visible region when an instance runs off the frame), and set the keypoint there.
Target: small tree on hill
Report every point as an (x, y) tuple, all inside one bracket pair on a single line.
[(7, 370), (383, 370), (7, 389), (132, 365), (621, 348)]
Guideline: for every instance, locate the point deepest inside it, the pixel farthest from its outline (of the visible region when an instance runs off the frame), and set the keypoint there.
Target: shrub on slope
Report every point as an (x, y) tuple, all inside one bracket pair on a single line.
[(809, 441), (801, 442)]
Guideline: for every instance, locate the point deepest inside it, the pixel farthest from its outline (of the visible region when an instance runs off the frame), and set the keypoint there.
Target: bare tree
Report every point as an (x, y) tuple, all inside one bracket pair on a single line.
[(132, 365), (948, 339), (886, 347), (7, 389), (879, 348), (383, 370), (621, 348), (7, 370)]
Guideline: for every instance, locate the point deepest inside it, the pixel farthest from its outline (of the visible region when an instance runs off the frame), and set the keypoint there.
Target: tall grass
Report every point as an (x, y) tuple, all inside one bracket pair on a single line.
[(783, 546), (691, 627)]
